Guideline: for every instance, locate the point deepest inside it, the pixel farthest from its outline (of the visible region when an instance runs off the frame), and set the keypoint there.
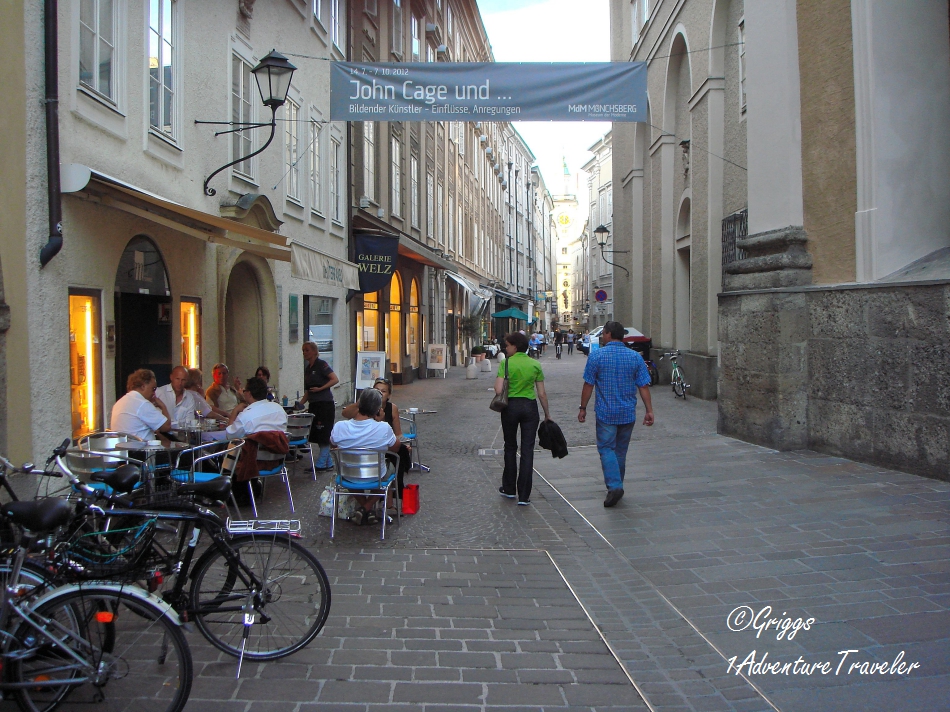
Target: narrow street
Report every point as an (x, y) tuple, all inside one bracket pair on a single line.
[(476, 603)]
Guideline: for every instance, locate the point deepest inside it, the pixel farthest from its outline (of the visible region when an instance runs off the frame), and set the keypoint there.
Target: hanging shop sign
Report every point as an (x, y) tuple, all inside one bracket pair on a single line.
[(375, 259), (488, 91)]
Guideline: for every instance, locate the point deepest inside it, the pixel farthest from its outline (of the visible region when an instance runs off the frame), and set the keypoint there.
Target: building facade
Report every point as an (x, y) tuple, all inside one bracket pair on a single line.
[(783, 201), (152, 271), (600, 199), (456, 195)]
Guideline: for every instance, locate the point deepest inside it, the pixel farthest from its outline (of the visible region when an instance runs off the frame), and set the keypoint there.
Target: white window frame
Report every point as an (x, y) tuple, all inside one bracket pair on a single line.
[(245, 170), (335, 180), (93, 87), (395, 156), (174, 125), (414, 191), (371, 7), (291, 115), (396, 38), (740, 49), (317, 7), (316, 170), (415, 48), (369, 160), (430, 205), (336, 24), (451, 223), (439, 213)]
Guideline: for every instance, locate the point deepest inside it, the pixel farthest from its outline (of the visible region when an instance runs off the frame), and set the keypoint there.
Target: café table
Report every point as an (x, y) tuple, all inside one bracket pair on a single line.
[(413, 438)]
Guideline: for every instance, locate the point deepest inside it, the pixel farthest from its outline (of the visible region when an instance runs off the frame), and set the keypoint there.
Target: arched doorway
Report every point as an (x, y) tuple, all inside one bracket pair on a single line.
[(244, 321), (683, 276), (143, 313), (394, 325)]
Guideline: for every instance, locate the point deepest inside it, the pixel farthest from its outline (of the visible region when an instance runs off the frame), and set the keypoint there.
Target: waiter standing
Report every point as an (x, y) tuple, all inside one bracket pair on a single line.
[(318, 379)]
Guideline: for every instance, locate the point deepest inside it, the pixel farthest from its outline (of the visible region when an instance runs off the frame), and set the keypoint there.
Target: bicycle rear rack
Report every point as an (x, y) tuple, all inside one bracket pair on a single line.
[(264, 526)]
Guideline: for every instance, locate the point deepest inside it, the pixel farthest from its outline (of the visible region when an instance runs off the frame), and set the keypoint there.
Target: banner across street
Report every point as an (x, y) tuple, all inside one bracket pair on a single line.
[(488, 91)]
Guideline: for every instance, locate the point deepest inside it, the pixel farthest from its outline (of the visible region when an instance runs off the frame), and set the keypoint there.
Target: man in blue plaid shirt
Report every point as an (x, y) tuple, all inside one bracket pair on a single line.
[(617, 373)]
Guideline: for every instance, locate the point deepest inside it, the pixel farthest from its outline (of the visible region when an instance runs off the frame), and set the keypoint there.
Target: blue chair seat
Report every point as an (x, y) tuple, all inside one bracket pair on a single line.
[(300, 442), (185, 476), (367, 484), (273, 471)]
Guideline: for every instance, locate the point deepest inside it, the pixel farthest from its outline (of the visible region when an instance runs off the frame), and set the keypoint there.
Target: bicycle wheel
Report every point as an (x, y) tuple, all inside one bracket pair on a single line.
[(654, 374), (290, 603), (134, 657), (679, 389)]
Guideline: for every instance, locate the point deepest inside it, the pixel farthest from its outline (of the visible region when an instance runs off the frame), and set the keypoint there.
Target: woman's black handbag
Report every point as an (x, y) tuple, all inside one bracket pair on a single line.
[(500, 401)]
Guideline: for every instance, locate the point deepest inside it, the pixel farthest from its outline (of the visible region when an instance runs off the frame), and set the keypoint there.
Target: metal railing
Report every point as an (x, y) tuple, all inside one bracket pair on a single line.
[(734, 226)]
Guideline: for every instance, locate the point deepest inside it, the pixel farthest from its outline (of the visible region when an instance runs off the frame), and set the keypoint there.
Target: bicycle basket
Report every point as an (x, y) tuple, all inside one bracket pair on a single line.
[(114, 553)]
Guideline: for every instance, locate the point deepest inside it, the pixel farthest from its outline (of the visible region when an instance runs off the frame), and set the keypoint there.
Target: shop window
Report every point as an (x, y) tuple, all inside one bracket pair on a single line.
[(318, 315), (85, 385), (413, 330), (368, 323), (190, 325), (394, 325)]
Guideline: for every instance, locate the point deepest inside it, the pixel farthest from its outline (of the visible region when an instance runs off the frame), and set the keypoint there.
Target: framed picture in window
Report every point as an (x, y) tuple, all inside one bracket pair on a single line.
[(370, 365), (435, 357)]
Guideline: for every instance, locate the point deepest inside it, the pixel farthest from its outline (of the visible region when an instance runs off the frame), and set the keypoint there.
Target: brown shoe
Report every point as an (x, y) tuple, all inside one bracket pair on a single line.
[(613, 496)]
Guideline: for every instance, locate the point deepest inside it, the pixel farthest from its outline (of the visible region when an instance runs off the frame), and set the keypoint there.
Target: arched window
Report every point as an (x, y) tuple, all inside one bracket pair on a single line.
[(394, 325), (414, 332)]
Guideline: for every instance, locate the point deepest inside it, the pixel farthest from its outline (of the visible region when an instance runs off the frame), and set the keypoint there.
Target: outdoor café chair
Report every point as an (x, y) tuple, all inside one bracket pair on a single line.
[(411, 437), (276, 468), (224, 461), (298, 427), (93, 466), (369, 473)]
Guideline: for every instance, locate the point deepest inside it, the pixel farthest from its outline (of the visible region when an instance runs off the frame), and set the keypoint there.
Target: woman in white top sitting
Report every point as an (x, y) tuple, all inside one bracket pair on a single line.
[(365, 431), (139, 412)]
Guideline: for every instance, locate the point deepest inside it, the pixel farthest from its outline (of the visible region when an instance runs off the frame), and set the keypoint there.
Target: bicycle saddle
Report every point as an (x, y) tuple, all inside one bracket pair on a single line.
[(122, 479), (41, 515), (218, 488)]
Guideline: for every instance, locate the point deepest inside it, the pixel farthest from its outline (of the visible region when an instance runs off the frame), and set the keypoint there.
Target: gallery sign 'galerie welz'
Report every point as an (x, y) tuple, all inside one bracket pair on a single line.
[(487, 91)]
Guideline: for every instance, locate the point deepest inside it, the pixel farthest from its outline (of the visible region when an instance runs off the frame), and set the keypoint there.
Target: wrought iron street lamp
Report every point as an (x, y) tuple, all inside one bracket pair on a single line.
[(602, 234), (273, 76)]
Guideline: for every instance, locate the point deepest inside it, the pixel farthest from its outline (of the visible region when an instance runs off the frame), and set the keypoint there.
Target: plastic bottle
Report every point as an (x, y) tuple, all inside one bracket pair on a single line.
[(283, 401)]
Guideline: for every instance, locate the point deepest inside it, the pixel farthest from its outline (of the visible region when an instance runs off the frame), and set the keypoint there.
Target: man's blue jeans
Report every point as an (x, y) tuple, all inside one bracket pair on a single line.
[(612, 443)]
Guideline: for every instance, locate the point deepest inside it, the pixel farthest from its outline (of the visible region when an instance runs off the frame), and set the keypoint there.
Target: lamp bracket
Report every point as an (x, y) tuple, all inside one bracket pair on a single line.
[(273, 130)]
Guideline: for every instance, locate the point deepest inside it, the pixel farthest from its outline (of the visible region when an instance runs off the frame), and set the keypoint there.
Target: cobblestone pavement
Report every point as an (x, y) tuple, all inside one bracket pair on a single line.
[(476, 603)]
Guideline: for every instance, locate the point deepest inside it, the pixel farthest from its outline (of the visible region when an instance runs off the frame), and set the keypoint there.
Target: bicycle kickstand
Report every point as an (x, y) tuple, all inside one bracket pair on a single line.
[(248, 622)]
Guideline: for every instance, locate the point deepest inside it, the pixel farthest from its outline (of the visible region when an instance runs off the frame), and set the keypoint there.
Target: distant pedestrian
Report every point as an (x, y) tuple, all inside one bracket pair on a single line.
[(570, 341), (617, 373), (558, 342), (524, 377)]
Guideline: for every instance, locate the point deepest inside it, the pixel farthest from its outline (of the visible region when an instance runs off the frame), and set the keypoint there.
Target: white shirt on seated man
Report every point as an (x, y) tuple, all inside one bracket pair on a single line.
[(365, 431), (180, 402), (256, 414), (139, 412)]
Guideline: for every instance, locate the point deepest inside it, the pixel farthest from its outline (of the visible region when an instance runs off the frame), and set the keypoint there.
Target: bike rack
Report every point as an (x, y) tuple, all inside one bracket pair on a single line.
[(263, 526)]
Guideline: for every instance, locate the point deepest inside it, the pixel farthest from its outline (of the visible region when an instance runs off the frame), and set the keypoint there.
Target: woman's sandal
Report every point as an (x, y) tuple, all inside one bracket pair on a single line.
[(371, 518), (357, 517)]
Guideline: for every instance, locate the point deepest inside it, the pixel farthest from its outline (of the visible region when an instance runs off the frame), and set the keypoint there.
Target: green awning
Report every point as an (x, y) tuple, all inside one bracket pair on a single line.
[(510, 313)]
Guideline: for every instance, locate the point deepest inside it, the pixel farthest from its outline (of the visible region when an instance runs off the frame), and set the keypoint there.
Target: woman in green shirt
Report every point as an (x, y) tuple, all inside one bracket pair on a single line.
[(524, 377)]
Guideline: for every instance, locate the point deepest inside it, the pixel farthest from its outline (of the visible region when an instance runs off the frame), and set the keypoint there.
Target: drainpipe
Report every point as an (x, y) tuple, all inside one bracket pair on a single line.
[(55, 242)]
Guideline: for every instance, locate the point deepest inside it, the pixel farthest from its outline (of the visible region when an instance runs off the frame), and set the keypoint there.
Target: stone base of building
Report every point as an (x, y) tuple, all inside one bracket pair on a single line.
[(854, 370), (702, 372)]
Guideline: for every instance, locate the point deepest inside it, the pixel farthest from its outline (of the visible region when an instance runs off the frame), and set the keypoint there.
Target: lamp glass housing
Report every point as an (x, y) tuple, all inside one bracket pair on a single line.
[(273, 76), (601, 232)]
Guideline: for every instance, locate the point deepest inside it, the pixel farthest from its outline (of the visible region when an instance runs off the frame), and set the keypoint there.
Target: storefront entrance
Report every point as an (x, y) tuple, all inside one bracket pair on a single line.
[(143, 313)]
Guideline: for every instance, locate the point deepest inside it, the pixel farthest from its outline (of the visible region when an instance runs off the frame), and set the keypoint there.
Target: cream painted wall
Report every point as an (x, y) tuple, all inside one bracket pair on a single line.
[(116, 141)]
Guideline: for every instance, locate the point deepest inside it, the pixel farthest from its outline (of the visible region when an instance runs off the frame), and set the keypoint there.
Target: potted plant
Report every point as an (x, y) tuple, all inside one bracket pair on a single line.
[(479, 353)]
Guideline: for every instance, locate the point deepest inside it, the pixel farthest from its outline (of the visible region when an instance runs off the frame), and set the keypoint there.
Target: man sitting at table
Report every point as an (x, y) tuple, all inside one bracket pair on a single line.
[(139, 412), (194, 383), (221, 394), (180, 403), (262, 424), (365, 431)]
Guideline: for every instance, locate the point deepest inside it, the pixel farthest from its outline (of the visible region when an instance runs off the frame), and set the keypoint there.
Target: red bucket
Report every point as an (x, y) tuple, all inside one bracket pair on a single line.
[(410, 499)]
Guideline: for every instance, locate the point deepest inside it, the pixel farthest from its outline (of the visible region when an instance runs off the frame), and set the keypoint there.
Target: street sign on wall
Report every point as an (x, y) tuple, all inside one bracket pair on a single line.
[(488, 91)]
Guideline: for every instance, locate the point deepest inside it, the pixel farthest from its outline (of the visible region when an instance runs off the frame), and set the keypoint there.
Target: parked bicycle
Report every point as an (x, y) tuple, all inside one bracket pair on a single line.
[(255, 592), (67, 647), (678, 378)]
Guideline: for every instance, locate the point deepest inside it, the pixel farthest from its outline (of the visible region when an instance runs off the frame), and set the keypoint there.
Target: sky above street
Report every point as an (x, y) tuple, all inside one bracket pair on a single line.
[(552, 31)]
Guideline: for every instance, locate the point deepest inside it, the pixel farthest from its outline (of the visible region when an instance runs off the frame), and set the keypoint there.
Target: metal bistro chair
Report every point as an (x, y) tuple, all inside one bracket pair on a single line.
[(277, 468), (411, 437), (95, 468), (105, 440), (298, 427), (358, 473), (224, 459)]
